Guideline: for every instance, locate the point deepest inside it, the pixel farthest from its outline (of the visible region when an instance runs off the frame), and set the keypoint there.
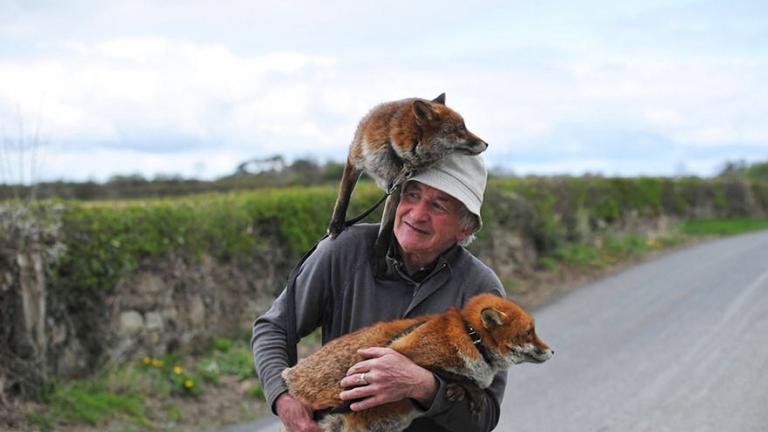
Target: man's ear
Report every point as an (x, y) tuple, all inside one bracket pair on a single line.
[(464, 233), (440, 99), (492, 318), (423, 111)]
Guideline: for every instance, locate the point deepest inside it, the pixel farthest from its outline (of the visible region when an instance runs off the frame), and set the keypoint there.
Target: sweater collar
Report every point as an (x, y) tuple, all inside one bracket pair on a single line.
[(396, 265)]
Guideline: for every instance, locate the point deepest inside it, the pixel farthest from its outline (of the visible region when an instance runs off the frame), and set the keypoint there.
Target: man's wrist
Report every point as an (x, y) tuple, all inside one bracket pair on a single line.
[(281, 400), (425, 393)]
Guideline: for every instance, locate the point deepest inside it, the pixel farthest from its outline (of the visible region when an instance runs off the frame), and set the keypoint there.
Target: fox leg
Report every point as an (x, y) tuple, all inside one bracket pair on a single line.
[(459, 387), (455, 392), (476, 398), (385, 232), (348, 181)]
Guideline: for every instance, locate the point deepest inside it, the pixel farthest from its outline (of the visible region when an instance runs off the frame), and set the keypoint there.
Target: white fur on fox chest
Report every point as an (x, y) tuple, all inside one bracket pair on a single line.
[(381, 163), (475, 368)]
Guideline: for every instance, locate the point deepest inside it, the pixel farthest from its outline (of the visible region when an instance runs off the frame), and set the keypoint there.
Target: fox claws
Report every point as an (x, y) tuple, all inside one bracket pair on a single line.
[(454, 392), (476, 404)]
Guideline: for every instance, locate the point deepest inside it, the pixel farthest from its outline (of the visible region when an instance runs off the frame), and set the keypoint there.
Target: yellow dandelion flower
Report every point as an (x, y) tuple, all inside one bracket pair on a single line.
[(178, 370), (147, 360), (189, 383), (157, 363)]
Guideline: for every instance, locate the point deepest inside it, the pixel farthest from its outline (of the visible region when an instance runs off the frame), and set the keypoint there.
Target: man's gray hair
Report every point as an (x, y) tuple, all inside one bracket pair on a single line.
[(468, 220)]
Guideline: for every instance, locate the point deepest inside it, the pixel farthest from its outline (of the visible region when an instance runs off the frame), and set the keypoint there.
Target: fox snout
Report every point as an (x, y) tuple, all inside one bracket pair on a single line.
[(468, 145), (540, 355), (541, 351), (473, 145), (530, 353)]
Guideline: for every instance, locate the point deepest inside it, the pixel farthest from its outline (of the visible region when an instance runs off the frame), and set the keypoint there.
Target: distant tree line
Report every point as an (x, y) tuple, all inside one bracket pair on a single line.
[(273, 171), (743, 169)]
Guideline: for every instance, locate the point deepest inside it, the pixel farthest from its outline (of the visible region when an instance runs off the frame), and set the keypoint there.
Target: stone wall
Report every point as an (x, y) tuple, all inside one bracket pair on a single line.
[(173, 303), (28, 243), (181, 304)]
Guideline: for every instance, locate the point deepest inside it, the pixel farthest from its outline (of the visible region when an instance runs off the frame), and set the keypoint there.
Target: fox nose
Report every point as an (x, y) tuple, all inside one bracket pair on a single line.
[(478, 147)]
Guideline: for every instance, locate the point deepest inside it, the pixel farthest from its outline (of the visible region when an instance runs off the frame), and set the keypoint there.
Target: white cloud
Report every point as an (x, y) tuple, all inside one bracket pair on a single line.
[(94, 92), (264, 78)]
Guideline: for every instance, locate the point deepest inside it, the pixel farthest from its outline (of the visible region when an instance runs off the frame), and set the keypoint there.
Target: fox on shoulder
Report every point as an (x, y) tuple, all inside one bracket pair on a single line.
[(465, 347), (397, 137)]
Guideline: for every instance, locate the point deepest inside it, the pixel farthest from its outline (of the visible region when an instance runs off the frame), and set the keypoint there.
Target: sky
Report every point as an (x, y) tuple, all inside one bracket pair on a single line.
[(90, 89)]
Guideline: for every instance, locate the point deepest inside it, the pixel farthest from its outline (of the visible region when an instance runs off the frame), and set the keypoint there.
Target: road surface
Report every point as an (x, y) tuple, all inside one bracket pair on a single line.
[(676, 344), (679, 343)]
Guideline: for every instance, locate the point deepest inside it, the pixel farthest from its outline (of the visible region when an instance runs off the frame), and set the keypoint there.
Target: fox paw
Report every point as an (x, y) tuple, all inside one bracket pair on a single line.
[(455, 392), (335, 228), (476, 405)]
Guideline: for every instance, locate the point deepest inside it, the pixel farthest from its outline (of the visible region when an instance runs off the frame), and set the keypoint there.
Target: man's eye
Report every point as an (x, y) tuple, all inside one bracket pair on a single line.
[(439, 207)]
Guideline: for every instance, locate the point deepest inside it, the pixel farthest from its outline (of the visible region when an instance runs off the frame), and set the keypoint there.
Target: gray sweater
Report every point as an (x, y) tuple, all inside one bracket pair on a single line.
[(336, 290)]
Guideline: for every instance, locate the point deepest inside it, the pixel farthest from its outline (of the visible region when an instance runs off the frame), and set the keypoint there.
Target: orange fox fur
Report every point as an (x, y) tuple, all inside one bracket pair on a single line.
[(440, 343), (407, 134)]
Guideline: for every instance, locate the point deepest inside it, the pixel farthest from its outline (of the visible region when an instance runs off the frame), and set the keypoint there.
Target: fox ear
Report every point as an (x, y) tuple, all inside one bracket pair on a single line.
[(492, 317), (423, 111), (440, 99)]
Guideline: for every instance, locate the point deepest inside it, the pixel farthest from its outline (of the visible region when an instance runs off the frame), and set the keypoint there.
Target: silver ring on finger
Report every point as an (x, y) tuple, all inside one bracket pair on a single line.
[(362, 379)]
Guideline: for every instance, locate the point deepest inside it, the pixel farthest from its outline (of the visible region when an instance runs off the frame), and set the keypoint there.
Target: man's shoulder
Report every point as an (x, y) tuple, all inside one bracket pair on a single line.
[(474, 269), (354, 239), (466, 260), (359, 232)]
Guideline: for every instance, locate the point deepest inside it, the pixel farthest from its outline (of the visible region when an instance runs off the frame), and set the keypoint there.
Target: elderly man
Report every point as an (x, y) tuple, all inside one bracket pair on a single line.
[(428, 271)]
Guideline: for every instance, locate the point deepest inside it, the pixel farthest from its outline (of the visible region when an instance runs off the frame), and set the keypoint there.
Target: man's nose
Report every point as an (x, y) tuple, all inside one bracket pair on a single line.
[(420, 211)]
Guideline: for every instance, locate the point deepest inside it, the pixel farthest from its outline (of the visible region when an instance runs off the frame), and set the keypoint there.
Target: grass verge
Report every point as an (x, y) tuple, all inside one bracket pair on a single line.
[(723, 227), (575, 264), (154, 393), (606, 250)]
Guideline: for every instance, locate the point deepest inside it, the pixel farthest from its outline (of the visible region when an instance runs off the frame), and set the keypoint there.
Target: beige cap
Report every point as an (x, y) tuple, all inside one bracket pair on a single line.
[(460, 176)]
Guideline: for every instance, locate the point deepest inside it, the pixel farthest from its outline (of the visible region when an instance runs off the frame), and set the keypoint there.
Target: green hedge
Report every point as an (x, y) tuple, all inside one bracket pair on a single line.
[(106, 239)]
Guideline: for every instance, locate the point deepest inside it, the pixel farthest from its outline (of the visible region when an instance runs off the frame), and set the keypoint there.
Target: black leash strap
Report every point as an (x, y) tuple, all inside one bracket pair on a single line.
[(291, 335), (365, 214)]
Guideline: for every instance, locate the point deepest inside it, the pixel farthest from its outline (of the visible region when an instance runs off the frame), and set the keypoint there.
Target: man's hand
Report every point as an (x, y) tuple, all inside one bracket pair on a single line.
[(391, 377), (296, 416)]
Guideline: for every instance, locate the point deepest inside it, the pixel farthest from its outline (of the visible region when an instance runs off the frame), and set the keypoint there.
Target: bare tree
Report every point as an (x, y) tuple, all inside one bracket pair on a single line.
[(20, 158)]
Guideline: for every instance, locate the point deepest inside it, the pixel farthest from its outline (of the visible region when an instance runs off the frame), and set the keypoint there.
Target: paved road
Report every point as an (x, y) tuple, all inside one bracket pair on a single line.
[(676, 344)]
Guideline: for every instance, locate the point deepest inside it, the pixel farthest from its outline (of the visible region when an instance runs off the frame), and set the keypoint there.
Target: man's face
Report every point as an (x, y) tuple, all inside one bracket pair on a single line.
[(427, 221)]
